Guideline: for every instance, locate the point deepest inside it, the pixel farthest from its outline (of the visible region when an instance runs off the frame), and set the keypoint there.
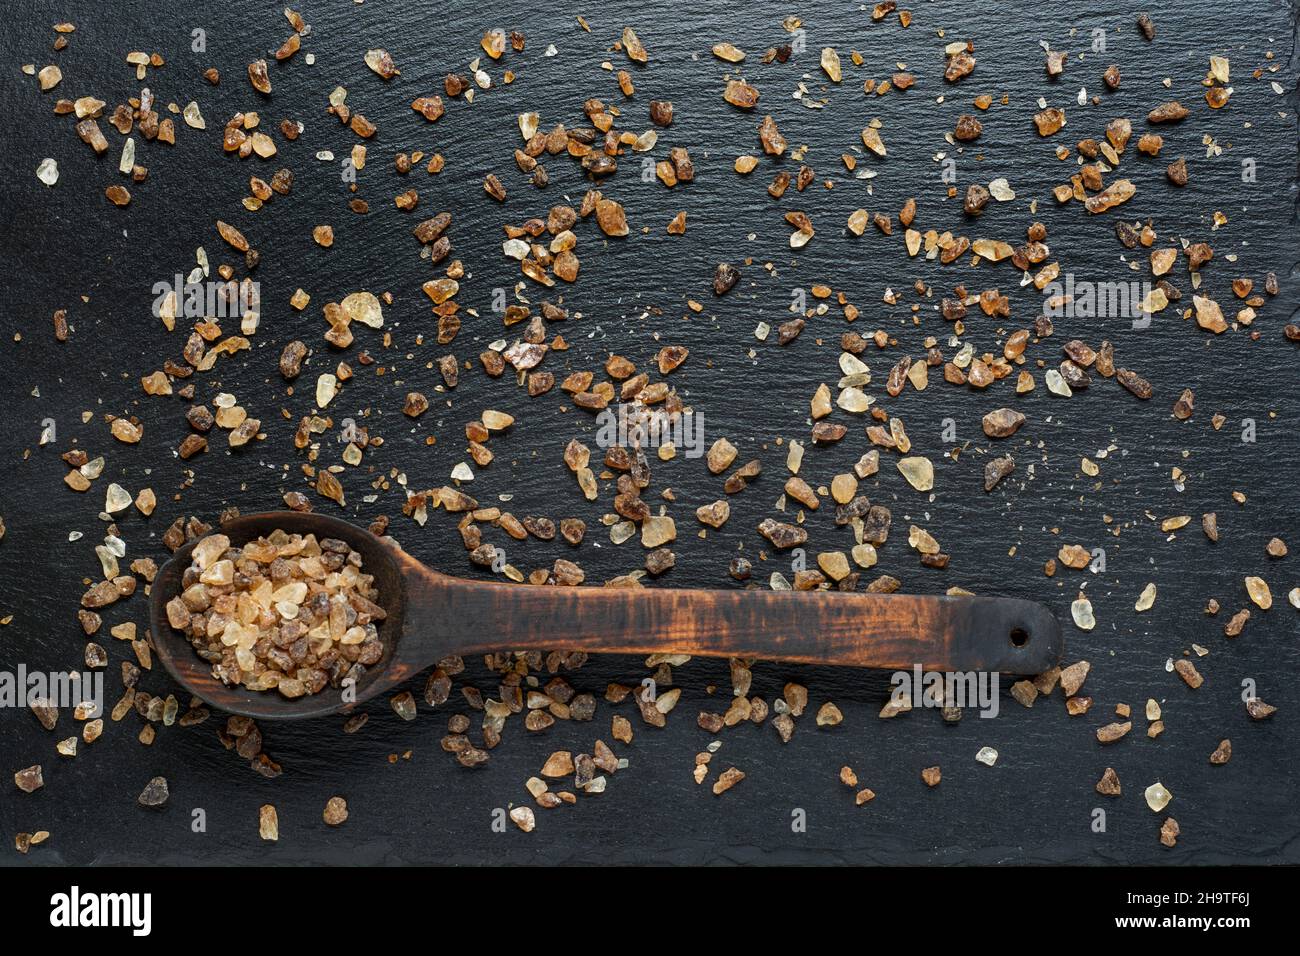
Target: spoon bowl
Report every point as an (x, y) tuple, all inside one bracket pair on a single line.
[(432, 616), (379, 558)]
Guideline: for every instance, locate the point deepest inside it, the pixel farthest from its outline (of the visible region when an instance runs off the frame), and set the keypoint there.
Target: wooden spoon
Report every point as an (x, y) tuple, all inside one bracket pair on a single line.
[(432, 616)]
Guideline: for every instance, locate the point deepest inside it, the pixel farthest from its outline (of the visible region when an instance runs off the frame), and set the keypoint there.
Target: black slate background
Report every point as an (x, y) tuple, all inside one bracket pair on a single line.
[(59, 245)]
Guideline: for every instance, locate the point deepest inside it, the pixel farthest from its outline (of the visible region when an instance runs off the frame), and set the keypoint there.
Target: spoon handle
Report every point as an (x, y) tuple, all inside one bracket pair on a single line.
[(894, 631)]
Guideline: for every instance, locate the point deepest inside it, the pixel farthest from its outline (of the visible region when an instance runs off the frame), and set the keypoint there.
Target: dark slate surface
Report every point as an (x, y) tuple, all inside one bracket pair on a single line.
[(60, 245)]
